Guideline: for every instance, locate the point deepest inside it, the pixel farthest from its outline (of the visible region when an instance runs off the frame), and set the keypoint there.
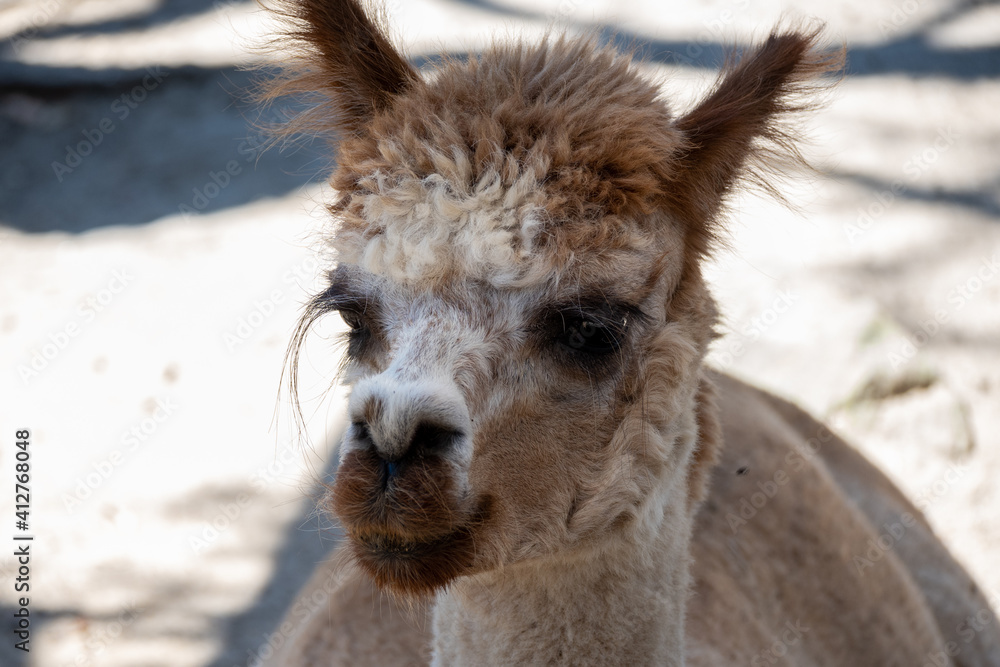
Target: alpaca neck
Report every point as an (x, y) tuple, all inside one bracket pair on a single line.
[(615, 605)]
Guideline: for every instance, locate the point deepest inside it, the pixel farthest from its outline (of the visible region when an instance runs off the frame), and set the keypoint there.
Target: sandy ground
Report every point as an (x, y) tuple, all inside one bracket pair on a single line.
[(153, 259)]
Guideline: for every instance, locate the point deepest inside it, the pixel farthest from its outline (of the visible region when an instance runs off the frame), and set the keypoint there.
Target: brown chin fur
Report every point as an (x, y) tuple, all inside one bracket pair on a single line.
[(410, 532), (412, 567)]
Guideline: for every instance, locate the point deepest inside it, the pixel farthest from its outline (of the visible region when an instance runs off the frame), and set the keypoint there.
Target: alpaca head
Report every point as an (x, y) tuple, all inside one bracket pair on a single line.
[(518, 239)]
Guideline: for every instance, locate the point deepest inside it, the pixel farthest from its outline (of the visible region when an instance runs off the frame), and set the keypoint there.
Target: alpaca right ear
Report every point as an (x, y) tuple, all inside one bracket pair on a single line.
[(345, 63), (742, 131)]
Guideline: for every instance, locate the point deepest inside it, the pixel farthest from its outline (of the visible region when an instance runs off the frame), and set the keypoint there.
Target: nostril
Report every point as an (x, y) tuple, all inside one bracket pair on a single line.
[(433, 438), (393, 455), (362, 436)]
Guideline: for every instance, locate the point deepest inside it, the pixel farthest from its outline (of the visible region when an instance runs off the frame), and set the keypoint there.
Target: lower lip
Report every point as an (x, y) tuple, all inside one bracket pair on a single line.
[(390, 546)]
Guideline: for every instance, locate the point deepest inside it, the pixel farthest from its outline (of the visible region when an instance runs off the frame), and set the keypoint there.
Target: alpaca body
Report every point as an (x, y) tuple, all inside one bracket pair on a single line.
[(749, 603), (532, 467)]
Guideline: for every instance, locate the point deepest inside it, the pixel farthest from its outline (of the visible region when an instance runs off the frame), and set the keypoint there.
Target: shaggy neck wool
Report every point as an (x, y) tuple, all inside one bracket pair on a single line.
[(619, 600)]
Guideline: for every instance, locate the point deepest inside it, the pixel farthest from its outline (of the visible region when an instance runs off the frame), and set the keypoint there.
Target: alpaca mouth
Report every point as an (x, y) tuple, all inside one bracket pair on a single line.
[(412, 566), (393, 547), (418, 504), (413, 533)]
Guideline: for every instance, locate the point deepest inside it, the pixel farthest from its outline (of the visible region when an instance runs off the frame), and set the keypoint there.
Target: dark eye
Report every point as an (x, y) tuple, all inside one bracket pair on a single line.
[(589, 336), (360, 336), (353, 319)]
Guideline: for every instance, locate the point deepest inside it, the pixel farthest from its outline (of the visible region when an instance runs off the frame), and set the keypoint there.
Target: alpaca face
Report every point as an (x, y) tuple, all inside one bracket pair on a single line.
[(484, 415), (506, 282), (518, 241)]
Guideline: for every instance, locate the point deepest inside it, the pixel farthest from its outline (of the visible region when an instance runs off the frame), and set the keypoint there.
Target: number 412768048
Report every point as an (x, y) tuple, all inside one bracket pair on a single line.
[(22, 476)]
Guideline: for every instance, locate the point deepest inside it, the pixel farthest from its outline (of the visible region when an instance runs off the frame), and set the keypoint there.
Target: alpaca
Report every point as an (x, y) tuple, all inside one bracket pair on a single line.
[(540, 469)]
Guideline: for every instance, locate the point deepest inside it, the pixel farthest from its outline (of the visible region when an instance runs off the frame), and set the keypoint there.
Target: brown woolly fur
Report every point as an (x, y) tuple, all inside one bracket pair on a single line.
[(344, 65), (414, 506), (408, 531), (709, 443), (742, 131), (576, 116), (539, 466)]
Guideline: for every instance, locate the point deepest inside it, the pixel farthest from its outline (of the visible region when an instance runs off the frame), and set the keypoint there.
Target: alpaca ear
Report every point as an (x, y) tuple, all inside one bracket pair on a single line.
[(345, 63), (741, 129)]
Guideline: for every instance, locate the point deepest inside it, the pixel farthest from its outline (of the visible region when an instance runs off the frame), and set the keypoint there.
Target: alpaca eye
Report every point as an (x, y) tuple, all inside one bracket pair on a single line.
[(360, 336), (590, 337), (352, 319)]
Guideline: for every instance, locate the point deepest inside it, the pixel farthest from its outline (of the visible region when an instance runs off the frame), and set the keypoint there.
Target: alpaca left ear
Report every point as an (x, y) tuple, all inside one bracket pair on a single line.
[(346, 64), (741, 128)]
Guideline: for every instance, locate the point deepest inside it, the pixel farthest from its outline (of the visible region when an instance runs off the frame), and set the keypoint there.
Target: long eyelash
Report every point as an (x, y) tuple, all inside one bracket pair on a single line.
[(618, 322), (332, 299), (329, 299), (315, 308), (605, 313)]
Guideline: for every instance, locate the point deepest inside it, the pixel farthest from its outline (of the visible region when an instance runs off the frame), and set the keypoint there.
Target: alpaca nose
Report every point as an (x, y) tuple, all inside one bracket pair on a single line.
[(401, 421), (428, 438)]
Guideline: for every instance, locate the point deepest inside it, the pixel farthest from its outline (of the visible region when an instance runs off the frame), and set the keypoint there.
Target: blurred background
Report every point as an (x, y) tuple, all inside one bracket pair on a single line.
[(153, 258)]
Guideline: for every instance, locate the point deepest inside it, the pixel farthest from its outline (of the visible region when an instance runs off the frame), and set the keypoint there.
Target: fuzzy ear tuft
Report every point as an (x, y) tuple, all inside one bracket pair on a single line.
[(343, 64), (743, 129)]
